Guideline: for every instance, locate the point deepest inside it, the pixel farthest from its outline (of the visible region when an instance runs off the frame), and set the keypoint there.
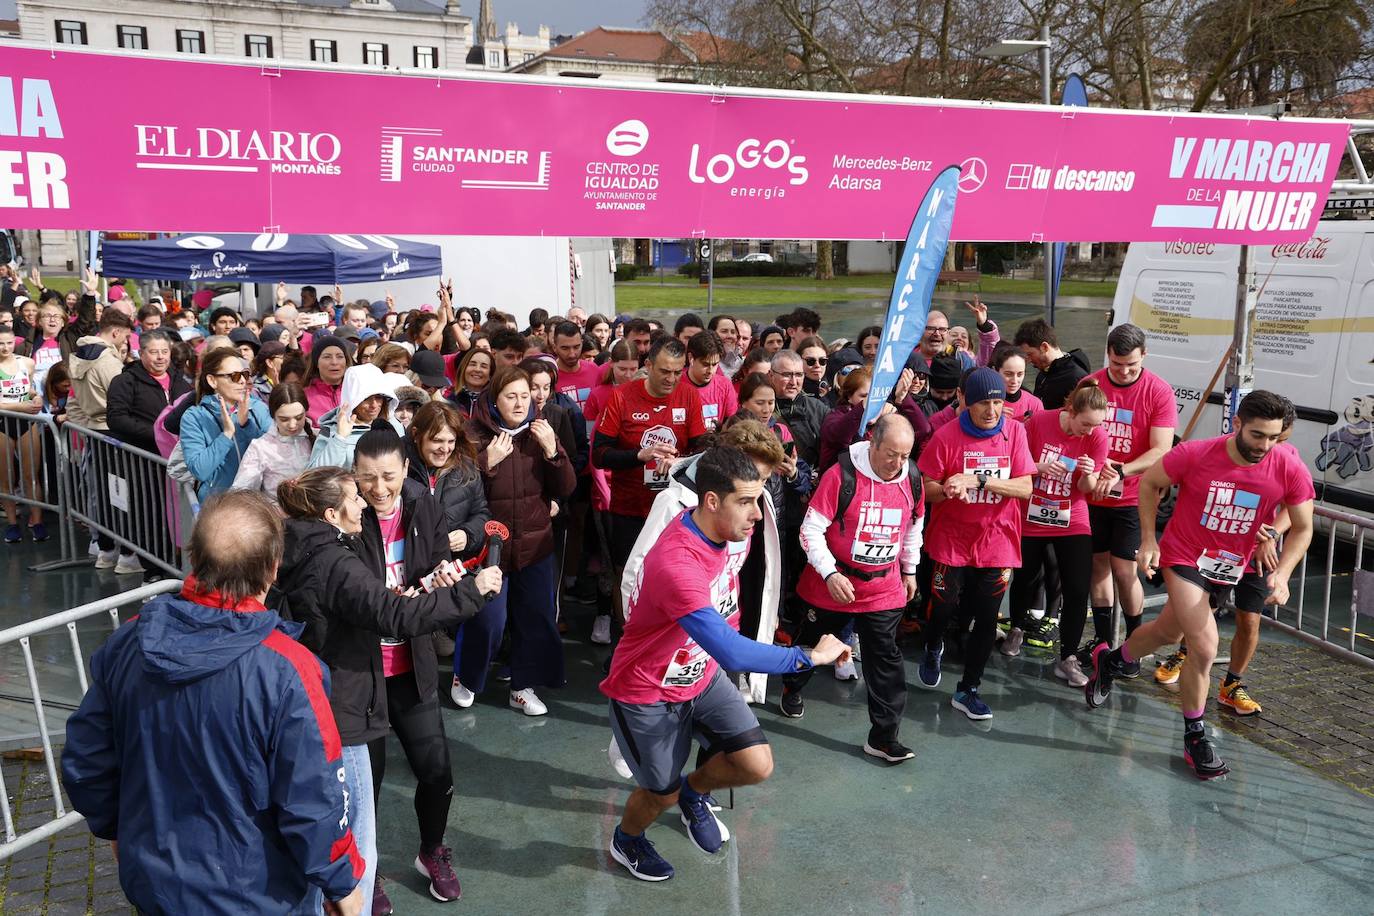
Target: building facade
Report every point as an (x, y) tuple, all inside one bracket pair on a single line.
[(422, 34)]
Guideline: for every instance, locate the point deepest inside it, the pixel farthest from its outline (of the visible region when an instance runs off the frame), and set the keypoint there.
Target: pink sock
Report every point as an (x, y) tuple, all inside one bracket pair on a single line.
[(1194, 714), (1126, 654)]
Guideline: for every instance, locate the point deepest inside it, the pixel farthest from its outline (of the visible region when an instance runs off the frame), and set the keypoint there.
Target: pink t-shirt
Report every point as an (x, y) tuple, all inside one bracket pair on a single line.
[(165, 380), (985, 531), (870, 539), (1135, 408), (395, 652), (578, 383), (1221, 504), (1026, 406), (656, 661), (1058, 507), (719, 399)]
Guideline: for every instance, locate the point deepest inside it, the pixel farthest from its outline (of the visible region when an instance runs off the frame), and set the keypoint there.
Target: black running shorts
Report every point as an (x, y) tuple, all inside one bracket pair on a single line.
[(1116, 529)]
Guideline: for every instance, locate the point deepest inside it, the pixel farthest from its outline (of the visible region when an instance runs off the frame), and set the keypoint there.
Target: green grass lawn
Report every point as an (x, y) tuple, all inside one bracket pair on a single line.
[(636, 298), (808, 288)]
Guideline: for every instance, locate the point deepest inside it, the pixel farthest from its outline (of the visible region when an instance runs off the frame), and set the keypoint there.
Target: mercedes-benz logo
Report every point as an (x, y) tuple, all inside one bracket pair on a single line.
[(972, 173)]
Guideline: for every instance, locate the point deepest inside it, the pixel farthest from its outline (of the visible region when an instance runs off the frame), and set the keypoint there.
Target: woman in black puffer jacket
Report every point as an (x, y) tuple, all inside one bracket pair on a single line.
[(332, 585), (443, 459)]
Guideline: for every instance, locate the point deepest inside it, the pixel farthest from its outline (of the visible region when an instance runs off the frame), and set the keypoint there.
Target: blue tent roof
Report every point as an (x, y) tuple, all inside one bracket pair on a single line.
[(269, 257)]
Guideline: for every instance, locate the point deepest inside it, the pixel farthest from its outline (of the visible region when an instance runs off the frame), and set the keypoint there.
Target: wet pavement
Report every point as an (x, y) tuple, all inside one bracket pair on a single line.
[(1047, 808)]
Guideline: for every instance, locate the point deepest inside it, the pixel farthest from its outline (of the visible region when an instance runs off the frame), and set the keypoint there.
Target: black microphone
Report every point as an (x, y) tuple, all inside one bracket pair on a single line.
[(497, 534)]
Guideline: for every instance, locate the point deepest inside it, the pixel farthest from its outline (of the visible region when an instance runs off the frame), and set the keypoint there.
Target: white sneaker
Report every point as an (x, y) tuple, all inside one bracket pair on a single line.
[(853, 643), (622, 769), (1068, 669), (601, 630), (845, 671), (106, 559), (527, 702), (461, 695), (128, 565), (1011, 645)]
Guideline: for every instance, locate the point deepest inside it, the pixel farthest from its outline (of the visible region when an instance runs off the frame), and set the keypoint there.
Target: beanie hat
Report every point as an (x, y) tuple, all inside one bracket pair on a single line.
[(984, 385), (945, 372)]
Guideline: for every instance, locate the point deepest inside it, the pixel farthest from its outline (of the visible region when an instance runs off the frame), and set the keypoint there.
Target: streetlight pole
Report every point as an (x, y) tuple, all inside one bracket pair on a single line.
[(1045, 89), (1014, 48)]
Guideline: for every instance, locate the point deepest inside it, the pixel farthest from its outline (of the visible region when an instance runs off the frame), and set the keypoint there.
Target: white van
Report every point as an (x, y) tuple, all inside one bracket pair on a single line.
[(1314, 339)]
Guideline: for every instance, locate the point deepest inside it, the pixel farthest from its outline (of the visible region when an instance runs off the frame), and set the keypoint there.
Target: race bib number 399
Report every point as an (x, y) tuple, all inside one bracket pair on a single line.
[(685, 669)]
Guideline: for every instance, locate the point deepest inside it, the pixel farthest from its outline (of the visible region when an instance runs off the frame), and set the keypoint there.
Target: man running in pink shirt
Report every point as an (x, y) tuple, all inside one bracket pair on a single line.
[(978, 472), (666, 686), (1228, 487)]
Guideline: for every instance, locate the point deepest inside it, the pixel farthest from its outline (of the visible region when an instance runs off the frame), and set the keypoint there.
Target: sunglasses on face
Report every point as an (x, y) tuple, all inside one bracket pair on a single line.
[(237, 377), (817, 360)]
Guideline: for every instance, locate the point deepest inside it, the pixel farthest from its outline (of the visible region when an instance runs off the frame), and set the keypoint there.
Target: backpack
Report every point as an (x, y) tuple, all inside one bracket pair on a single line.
[(849, 482)]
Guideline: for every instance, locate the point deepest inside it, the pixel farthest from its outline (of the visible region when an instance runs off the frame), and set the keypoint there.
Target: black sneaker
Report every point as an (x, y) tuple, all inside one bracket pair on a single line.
[(1199, 754), (791, 704), (1099, 684), (1129, 670), (892, 751), (1042, 633)]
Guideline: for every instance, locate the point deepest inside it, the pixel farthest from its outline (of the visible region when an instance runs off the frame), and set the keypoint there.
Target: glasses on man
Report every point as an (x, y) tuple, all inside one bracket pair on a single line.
[(816, 360), (236, 377), (935, 329)]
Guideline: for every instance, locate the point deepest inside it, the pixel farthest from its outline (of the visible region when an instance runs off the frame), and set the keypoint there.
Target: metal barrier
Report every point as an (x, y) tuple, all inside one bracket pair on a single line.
[(32, 455), (120, 492), (1351, 644), (22, 634)]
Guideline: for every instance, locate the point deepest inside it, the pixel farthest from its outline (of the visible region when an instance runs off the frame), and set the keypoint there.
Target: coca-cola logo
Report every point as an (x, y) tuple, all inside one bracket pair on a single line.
[(1314, 249)]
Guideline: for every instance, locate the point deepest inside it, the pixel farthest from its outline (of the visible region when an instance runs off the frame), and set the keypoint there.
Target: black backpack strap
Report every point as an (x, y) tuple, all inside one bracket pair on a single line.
[(913, 477), (848, 484)]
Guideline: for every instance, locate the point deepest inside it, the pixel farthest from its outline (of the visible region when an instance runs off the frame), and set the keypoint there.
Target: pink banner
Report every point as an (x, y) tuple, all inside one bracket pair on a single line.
[(107, 141)]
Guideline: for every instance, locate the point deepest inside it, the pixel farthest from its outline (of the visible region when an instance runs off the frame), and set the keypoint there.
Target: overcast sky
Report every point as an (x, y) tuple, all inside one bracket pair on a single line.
[(564, 17)]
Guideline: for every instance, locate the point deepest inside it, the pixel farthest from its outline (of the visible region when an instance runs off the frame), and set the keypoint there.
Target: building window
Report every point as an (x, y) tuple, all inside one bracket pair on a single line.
[(494, 59), (257, 45), (132, 37), (324, 51), (71, 32), (374, 53), (426, 58), (190, 41)]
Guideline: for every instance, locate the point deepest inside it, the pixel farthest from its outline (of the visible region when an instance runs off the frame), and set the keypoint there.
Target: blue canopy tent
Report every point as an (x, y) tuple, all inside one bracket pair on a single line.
[(270, 257)]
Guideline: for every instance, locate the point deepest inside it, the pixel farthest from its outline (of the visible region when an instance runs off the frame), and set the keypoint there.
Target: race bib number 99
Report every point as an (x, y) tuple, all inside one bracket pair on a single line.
[(1045, 510)]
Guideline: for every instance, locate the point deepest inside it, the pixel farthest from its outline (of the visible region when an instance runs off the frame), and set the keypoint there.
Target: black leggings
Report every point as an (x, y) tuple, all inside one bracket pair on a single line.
[(420, 729), (1075, 555), (971, 592)]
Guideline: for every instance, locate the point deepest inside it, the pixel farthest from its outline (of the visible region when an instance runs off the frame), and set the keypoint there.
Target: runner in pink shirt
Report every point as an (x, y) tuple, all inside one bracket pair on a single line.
[(576, 376), (977, 473), (1020, 404), (1140, 428), (1069, 447), (719, 399), (861, 560), (1228, 488), (666, 684)]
